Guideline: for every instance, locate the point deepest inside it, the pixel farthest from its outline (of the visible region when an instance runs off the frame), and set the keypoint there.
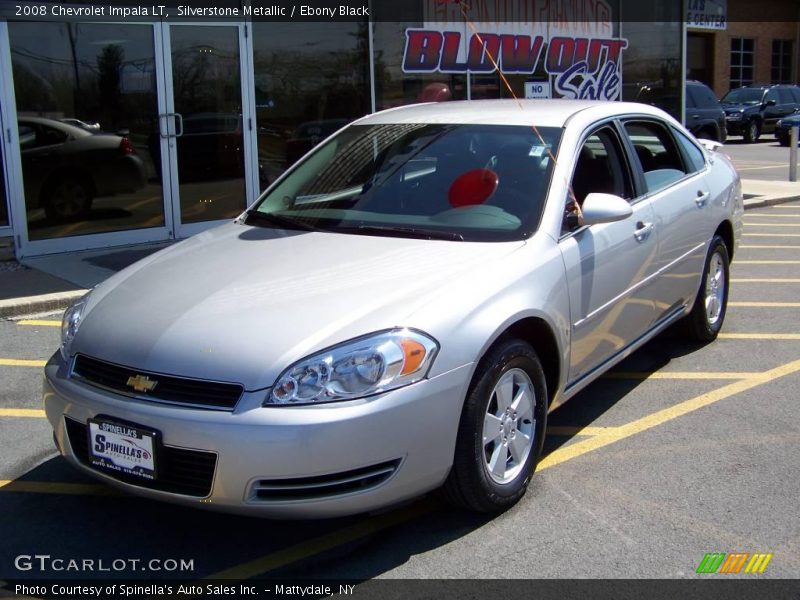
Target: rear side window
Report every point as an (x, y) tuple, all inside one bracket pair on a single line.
[(785, 95), (697, 160), (657, 154), (704, 97)]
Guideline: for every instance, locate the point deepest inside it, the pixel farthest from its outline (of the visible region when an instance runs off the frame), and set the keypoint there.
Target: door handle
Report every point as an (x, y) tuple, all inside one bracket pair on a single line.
[(643, 231), (701, 199), (178, 122)]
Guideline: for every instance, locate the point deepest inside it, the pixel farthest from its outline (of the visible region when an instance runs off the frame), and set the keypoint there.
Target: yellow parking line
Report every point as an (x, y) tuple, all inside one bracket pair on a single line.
[(14, 362), (22, 412), (768, 262), (660, 417), (55, 487), (781, 215), (759, 336), (771, 234), (764, 280), (778, 247), (765, 304), (680, 375), (39, 322), (328, 541)]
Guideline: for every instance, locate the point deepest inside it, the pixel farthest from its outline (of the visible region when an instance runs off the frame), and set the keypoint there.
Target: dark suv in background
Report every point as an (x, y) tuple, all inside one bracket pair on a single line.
[(704, 115), (756, 109)]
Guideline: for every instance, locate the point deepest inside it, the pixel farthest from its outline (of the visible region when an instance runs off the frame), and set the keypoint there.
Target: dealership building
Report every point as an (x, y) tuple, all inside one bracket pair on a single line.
[(199, 114)]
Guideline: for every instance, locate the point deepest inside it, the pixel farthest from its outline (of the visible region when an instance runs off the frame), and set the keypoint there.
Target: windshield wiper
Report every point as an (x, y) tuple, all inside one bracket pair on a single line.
[(416, 232), (256, 216)]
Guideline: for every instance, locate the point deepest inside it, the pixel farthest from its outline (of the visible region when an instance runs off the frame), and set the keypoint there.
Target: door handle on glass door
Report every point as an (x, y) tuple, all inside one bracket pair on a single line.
[(701, 198), (643, 231)]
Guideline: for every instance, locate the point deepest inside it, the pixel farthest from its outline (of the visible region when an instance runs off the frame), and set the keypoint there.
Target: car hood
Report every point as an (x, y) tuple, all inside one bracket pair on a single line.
[(241, 304), (730, 107)]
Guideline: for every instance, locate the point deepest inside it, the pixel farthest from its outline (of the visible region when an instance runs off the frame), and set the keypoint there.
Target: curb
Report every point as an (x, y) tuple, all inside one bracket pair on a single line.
[(28, 305), (17, 307), (756, 203)]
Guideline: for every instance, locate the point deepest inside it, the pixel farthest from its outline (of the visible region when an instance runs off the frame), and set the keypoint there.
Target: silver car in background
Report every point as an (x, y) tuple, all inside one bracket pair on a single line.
[(399, 311)]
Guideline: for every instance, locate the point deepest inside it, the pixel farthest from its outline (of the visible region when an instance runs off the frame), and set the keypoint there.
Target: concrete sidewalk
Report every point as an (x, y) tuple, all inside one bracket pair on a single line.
[(50, 283)]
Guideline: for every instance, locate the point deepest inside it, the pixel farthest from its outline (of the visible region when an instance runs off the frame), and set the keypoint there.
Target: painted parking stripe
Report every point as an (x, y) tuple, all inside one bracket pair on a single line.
[(793, 235), (765, 304), (750, 224), (35, 413), (677, 375), (759, 247), (15, 362), (660, 417), (781, 215), (759, 336), (764, 280), (768, 262), (39, 322)]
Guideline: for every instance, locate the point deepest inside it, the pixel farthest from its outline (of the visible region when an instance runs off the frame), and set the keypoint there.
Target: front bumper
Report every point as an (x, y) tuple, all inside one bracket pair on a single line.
[(413, 428), (735, 127)]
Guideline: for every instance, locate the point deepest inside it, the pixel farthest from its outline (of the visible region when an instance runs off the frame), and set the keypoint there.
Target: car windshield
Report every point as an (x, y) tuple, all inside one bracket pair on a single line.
[(433, 181), (743, 96)]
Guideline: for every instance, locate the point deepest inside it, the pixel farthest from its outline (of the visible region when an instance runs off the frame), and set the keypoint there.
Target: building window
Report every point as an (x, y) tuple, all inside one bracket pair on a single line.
[(781, 61), (742, 61)]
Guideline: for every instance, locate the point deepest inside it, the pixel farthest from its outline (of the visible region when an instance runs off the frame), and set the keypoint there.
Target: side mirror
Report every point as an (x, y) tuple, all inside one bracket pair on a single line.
[(604, 208), (769, 103)]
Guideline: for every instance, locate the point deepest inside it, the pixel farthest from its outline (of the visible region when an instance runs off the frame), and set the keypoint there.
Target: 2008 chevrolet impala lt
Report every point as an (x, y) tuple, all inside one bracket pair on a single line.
[(400, 311)]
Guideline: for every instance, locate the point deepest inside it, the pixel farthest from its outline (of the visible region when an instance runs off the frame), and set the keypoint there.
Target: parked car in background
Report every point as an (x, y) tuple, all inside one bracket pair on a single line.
[(65, 167), (783, 128), (704, 115), (399, 311), (705, 118), (90, 126), (756, 109)]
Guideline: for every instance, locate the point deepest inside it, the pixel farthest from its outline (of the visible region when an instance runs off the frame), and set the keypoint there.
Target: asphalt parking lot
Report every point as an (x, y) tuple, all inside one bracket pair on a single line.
[(679, 452), (765, 159)]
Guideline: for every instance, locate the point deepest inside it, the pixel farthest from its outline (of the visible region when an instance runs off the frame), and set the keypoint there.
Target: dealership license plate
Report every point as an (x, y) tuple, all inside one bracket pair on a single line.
[(123, 448)]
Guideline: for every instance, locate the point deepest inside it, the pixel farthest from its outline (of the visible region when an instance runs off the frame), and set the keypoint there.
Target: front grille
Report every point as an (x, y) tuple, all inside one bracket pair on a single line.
[(323, 486), (180, 471), (178, 390)]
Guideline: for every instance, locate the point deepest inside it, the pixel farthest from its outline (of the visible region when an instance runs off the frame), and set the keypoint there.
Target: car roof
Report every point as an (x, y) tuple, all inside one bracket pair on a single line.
[(544, 113)]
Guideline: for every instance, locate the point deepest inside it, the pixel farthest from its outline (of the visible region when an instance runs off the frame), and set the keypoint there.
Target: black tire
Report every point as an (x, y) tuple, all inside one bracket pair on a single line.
[(470, 485), (783, 142), (698, 325), (67, 198), (752, 131)]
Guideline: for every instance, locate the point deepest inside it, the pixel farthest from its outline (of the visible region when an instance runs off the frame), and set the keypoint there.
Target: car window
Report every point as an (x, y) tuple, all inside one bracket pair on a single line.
[(656, 153), (795, 94), (458, 181), (27, 137), (49, 136), (691, 99), (697, 160), (785, 95), (772, 95), (705, 97), (601, 167)]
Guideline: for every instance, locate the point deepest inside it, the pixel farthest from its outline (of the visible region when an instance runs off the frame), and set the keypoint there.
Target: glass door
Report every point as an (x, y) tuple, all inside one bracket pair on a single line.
[(206, 125)]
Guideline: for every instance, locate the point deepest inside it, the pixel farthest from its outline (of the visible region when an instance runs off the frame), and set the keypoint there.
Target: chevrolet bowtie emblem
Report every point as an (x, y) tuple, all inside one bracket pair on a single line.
[(142, 383)]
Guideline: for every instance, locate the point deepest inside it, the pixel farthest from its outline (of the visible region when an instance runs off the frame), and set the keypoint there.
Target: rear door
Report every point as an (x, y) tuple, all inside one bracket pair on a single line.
[(673, 171), (609, 266)]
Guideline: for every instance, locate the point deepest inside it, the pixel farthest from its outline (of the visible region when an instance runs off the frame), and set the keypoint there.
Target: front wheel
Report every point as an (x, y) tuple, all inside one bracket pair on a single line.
[(501, 431), (705, 320), (752, 131)]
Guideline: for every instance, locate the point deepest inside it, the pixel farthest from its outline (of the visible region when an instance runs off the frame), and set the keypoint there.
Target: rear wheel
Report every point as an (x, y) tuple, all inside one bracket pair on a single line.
[(705, 320), (752, 131), (501, 431), (67, 199)]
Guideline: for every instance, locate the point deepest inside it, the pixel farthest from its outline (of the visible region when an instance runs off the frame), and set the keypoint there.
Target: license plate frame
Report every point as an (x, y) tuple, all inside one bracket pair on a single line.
[(125, 448)]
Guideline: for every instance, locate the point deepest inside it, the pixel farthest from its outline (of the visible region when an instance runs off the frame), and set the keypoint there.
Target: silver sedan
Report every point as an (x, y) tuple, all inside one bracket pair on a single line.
[(400, 311)]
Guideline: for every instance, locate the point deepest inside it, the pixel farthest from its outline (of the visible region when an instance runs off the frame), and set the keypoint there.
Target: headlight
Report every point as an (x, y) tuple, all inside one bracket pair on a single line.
[(70, 323), (362, 367), (736, 116), (779, 123)]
